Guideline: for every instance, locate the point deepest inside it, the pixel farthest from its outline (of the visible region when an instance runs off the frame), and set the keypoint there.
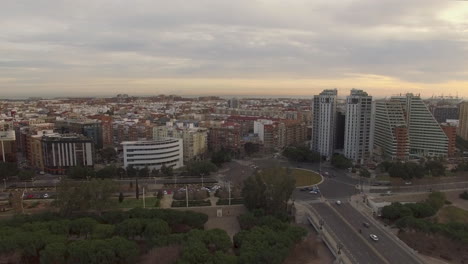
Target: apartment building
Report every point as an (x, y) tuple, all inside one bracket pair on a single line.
[(324, 122), (463, 121), (358, 126), (406, 120), (195, 139), (153, 154)]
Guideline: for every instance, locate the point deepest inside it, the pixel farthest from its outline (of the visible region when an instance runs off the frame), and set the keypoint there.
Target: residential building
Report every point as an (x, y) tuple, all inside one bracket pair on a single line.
[(7, 146), (407, 114), (451, 131), (224, 135), (324, 122), (63, 151), (153, 154), (391, 139), (442, 113), (463, 121), (195, 139), (107, 129), (233, 103), (358, 126)]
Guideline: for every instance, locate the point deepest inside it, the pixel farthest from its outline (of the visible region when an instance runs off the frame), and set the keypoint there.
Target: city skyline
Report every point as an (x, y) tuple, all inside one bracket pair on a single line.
[(256, 48)]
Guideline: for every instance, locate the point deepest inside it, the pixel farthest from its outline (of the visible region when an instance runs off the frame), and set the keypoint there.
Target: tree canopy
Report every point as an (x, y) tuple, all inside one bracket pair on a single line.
[(341, 162), (268, 189)]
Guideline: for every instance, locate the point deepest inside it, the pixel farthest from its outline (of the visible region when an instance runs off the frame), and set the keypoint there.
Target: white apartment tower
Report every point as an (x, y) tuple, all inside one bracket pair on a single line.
[(324, 122), (358, 126)]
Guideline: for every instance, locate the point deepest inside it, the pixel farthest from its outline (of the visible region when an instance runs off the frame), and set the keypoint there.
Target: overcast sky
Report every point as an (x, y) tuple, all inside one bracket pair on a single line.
[(243, 47)]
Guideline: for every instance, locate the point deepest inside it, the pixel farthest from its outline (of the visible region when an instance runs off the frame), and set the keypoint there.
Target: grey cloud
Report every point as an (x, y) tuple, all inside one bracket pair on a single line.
[(211, 38)]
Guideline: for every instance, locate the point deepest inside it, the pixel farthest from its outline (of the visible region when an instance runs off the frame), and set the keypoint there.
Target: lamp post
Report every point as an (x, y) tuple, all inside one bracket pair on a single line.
[(340, 247)]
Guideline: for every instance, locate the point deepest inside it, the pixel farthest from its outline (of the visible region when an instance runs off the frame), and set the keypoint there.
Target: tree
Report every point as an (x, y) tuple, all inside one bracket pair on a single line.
[(154, 172), (269, 189), (108, 154), (301, 154), (121, 197), (221, 157), (197, 168), (107, 172), (131, 171), (26, 175), (144, 172), (166, 170), (82, 226), (436, 168), (54, 253), (8, 169), (364, 173), (251, 148), (81, 196), (102, 231), (341, 162), (155, 228)]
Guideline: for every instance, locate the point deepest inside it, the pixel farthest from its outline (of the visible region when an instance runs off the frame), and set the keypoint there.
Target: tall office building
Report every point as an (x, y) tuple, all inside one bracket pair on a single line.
[(324, 122), (463, 121), (62, 151), (358, 126), (406, 120)]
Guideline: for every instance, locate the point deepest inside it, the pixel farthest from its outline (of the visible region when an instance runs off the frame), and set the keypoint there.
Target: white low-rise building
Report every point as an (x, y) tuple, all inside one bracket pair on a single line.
[(154, 153)]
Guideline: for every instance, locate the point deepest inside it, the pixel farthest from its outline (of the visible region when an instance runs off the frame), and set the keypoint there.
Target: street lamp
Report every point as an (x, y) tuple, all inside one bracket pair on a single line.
[(202, 183), (340, 247)]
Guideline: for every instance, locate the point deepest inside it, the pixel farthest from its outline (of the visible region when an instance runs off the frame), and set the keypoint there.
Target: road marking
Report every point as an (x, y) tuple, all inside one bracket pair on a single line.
[(353, 229)]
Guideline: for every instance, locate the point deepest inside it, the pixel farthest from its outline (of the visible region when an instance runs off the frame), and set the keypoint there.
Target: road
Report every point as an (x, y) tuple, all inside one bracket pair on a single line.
[(386, 245), (355, 247)]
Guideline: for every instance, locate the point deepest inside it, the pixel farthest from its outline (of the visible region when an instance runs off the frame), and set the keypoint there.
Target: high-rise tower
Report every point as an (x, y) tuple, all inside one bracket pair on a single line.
[(323, 122), (358, 126)]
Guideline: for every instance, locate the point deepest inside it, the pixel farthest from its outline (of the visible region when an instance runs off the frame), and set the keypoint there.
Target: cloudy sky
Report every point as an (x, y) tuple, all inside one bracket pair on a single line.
[(241, 47)]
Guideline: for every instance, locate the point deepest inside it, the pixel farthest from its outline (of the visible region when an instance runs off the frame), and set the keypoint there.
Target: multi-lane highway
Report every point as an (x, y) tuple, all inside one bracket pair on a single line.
[(344, 221)]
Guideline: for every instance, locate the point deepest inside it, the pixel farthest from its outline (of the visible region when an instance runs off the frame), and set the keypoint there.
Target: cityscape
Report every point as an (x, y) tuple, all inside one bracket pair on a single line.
[(247, 132)]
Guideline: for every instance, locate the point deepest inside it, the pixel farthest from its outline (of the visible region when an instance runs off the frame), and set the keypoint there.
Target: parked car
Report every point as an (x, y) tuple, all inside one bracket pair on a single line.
[(338, 202), (313, 192), (374, 237), (45, 195), (366, 224)]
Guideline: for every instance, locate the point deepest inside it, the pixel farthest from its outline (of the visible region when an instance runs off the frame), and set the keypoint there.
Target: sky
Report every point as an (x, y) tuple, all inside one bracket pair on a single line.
[(243, 47)]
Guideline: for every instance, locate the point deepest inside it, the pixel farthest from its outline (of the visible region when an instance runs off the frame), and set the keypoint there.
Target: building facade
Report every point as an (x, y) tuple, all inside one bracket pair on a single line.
[(195, 140), (358, 126), (463, 121), (324, 122), (63, 151), (406, 121), (153, 154), (89, 128)]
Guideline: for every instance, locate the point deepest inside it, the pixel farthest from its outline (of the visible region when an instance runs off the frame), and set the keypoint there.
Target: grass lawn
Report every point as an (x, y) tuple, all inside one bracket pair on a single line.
[(453, 214), (305, 177), (132, 202), (382, 178)]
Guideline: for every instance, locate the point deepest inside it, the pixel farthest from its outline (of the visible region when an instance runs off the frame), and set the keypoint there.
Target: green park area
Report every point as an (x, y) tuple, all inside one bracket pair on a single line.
[(304, 177), (453, 214)]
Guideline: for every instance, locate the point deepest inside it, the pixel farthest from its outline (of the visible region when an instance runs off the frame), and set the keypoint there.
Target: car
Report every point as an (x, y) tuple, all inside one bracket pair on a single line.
[(366, 224), (313, 192), (374, 237), (408, 183), (338, 202), (46, 195)]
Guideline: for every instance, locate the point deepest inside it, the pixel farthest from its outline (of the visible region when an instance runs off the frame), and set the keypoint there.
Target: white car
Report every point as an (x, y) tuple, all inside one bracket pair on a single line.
[(338, 202), (313, 192), (46, 195), (374, 237)]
